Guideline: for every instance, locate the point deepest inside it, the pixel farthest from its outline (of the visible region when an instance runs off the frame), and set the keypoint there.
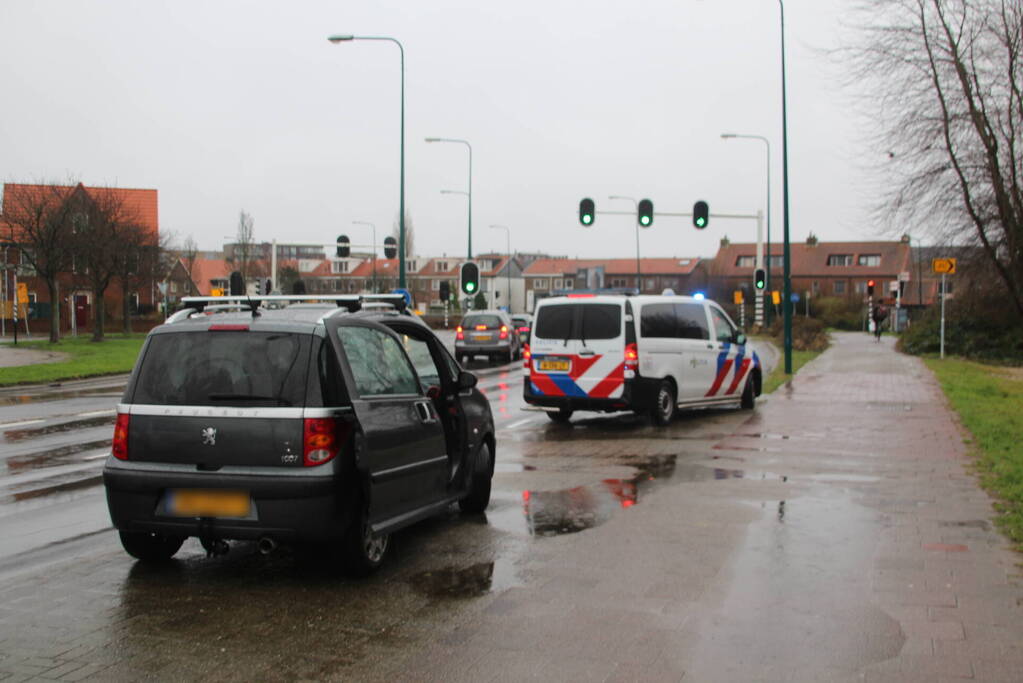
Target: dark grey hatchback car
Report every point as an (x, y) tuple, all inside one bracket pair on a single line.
[(317, 424)]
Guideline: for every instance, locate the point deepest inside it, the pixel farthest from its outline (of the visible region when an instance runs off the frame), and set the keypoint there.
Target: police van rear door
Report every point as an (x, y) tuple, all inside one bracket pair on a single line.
[(578, 348)]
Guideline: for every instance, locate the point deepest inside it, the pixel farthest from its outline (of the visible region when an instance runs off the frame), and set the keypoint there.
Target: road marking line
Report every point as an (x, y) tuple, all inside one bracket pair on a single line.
[(96, 413), (98, 456), (8, 425), (519, 423)]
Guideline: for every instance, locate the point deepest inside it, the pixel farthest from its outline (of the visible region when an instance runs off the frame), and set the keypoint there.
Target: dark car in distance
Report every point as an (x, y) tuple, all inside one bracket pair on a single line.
[(317, 424), (487, 333)]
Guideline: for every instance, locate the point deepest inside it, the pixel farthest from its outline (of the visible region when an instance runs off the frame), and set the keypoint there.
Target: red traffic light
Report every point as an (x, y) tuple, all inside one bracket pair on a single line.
[(870, 283)]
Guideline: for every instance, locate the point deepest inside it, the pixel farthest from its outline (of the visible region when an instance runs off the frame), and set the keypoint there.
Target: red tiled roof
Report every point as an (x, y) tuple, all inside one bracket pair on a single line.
[(141, 204), (385, 268), (623, 266), (204, 270), (812, 260)]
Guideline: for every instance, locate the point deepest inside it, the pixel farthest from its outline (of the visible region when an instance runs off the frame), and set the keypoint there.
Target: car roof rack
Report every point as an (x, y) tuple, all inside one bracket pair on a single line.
[(350, 302)]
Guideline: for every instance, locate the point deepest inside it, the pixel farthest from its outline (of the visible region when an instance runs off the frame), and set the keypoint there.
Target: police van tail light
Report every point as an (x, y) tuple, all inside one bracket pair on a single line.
[(459, 334), (632, 357), (527, 356), (119, 446), (504, 332), (321, 441)]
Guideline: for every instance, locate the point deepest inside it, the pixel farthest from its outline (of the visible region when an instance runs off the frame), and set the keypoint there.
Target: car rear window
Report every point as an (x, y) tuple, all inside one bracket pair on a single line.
[(471, 321), (245, 369), (579, 321)]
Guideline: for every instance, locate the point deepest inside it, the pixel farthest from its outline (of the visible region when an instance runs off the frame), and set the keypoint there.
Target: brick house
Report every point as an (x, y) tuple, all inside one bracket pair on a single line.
[(74, 292)]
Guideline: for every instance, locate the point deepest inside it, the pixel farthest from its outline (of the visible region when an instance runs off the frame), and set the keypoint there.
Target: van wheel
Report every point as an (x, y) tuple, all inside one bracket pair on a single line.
[(150, 547), (362, 551), (749, 397), (478, 497), (665, 404), (561, 415)]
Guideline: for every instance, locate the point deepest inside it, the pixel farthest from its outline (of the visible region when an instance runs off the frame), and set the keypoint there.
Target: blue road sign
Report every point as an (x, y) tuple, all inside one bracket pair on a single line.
[(405, 293), (795, 297)]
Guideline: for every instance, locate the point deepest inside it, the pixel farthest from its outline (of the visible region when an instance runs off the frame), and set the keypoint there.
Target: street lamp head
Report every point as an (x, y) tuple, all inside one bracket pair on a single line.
[(433, 139), (340, 39), (454, 192), (725, 136)]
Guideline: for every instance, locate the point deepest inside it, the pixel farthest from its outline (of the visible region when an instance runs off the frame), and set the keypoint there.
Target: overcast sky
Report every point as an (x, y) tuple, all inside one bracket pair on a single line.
[(231, 105)]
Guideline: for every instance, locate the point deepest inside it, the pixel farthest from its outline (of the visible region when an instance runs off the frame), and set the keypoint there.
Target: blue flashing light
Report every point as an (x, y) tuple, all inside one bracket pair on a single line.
[(699, 295)]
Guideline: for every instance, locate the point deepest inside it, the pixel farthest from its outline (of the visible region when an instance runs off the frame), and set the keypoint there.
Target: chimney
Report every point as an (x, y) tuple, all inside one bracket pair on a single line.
[(811, 240), (725, 242)]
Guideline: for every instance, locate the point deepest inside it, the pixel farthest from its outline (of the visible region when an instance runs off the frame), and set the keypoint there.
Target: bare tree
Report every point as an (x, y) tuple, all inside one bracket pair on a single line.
[(38, 218), (189, 253), (104, 225), (243, 253), (144, 259), (410, 234), (945, 78)]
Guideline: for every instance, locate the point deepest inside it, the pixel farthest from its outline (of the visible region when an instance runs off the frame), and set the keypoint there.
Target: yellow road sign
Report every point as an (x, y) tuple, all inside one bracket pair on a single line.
[(216, 291), (946, 266), (737, 297), (22, 294), (776, 297)]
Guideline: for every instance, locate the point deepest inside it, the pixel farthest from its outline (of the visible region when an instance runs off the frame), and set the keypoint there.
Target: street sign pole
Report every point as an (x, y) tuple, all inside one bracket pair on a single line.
[(758, 301), (943, 315)]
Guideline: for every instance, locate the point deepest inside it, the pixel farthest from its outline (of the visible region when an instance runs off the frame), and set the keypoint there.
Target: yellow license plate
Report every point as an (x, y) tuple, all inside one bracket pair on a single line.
[(209, 503), (555, 365), (481, 337)]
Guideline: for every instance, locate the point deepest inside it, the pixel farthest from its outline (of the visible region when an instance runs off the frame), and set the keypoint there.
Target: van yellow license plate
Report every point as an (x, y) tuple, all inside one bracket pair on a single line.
[(209, 503), (555, 365)]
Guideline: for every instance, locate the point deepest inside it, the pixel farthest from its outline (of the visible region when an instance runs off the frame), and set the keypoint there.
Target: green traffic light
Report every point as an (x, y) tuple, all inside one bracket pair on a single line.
[(644, 220), (470, 286), (700, 222), (587, 220)]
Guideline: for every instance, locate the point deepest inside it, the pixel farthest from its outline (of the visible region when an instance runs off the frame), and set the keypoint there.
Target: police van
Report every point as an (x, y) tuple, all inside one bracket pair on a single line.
[(648, 354)]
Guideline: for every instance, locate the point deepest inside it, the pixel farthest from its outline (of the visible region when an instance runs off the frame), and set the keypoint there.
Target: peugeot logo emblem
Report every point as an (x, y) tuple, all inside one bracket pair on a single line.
[(209, 436)]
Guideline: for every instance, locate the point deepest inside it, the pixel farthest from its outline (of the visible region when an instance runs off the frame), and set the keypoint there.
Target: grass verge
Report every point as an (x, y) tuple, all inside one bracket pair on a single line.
[(87, 359), (778, 376), (989, 400)]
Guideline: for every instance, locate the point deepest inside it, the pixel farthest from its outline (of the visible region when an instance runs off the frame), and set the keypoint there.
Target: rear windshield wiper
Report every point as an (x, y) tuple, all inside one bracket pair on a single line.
[(249, 397)]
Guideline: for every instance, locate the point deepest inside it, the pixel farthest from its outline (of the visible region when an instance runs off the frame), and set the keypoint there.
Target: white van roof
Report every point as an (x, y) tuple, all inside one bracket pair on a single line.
[(619, 299)]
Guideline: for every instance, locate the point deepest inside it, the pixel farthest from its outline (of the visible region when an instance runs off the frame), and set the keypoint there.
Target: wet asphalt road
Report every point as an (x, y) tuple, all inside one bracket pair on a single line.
[(95, 613)]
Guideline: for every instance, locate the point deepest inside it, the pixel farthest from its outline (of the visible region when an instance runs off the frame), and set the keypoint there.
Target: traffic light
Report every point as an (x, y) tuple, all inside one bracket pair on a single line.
[(646, 213), (587, 211), (701, 214), (390, 247), (298, 287), (870, 288), (344, 247), (470, 278), (445, 291), (237, 283), (759, 279)]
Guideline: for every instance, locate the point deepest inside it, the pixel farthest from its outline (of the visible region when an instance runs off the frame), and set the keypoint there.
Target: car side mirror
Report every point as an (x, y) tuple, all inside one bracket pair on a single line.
[(466, 380), (740, 338)]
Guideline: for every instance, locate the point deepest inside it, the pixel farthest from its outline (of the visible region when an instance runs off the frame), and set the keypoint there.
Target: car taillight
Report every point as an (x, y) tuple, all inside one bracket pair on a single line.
[(481, 327), (527, 356), (119, 446), (458, 333), (632, 357), (320, 442), (522, 329), (504, 332)]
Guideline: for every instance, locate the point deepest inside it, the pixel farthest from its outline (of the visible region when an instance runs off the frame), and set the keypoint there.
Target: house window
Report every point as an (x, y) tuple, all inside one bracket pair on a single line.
[(174, 287), (442, 266), (559, 283), (861, 287), (540, 284), (618, 282), (435, 285), (839, 287), (868, 260), (569, 283), (651, 284), (133, 303), (746, 262), (777, 261), (840, 259), (816, 287), (410, 265), (341, 266)]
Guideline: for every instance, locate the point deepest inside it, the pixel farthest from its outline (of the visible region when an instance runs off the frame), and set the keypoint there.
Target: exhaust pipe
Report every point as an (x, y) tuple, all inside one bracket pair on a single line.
[(266, 545)]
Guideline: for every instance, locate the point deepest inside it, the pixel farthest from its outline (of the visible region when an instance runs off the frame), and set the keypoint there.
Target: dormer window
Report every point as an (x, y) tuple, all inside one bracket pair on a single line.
[(868, 260), (840, 259), (746, 262)]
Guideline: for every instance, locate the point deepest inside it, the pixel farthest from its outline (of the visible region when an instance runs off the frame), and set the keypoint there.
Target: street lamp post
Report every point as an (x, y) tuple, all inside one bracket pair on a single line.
[(507, 267), (787, 271), (635, 203), (767, 268), (466, 143), (401, 201), (374, 228)]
